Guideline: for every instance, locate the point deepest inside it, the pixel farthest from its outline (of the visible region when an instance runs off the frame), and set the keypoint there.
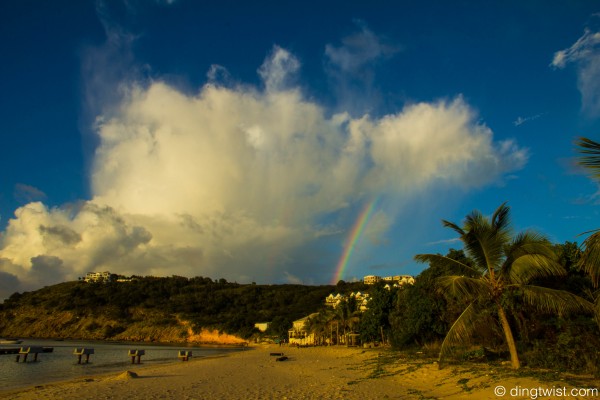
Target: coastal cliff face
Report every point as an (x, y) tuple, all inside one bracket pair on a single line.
[(144, 326)]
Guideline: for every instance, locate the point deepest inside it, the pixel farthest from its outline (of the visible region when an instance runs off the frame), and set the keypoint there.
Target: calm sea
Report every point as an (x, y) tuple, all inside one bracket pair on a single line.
[(61, 364)]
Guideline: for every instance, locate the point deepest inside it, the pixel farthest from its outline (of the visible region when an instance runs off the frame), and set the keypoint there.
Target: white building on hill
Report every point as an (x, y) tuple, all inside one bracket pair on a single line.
[(395, 281), (361, 300), (97, 277)]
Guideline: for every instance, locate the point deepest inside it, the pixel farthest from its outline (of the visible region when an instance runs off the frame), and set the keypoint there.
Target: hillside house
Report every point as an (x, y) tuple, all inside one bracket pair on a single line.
[(361, 300), (97, 277), (393, 281)]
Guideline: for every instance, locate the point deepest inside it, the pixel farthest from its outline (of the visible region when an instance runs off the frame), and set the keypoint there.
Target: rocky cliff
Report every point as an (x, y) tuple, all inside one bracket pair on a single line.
[(146, 326)]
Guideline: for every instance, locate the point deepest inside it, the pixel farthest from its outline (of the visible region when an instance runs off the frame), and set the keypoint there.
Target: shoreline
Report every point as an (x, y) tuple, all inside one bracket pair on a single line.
[(110, 358), (133, 342), (140, 371), (307, 373)]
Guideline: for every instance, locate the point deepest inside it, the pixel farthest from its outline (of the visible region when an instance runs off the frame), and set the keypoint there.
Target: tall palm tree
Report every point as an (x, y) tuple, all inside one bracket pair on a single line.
[(501, 263)]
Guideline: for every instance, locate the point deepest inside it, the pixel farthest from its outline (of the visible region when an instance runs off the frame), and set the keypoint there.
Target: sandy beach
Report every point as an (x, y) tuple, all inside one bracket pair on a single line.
[(307, 373)]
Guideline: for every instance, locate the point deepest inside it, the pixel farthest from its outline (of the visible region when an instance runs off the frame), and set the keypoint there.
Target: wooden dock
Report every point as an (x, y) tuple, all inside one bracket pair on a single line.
[(15, 350)]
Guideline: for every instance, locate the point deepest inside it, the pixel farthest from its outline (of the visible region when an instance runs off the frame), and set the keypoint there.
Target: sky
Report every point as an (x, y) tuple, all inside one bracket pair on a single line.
[(285, 142)]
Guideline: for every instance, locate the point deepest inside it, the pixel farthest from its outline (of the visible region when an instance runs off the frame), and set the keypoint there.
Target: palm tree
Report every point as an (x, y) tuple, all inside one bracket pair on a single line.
[(501, 264), (319, 324), (590, 260)]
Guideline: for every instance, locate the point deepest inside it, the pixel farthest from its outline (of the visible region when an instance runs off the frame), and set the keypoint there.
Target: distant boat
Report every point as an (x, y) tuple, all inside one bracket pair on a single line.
[(10, 341)]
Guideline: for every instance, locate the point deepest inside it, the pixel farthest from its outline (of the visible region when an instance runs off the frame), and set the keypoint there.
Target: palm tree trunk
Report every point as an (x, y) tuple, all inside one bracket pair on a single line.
[(510, 340)]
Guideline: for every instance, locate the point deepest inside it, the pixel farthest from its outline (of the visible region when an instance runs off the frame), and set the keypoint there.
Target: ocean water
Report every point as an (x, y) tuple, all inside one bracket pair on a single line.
[(61, 364)]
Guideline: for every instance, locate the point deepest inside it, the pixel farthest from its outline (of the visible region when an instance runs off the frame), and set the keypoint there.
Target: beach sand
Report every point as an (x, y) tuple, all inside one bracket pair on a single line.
[(308, 373)]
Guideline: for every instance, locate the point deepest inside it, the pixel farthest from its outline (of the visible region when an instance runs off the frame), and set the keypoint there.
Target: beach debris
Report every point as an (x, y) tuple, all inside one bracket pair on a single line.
[(276, 354), (127, 375), (283, 358)]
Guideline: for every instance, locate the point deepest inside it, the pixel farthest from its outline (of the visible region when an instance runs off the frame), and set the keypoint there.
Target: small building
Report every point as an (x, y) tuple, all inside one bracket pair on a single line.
[(262, 326), (395, 281), (371, 279), (97, 277), (404, 280)]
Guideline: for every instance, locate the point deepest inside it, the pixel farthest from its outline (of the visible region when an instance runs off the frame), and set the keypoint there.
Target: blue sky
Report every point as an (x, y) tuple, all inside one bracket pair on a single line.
[(242, 140)]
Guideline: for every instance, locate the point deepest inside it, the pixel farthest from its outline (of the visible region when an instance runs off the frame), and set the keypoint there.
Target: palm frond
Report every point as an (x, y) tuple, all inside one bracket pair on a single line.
[(462, 330), (500, 219), (464, 287), (560, 302), (453, 226), (590, 259), (533, 266), (485, 247), (530, 256), (597, 307), (451, 265), (486, 239), (591, 155)]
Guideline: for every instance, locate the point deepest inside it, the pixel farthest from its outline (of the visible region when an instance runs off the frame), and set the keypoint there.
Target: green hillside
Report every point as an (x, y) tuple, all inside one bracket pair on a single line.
[(168, 309)]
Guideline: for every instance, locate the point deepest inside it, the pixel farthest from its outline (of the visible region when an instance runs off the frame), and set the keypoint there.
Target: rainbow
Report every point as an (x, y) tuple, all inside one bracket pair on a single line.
[(355, 233)]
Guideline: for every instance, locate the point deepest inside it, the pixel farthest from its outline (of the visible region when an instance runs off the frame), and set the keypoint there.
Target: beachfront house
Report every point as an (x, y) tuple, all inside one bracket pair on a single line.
[(299, 333)]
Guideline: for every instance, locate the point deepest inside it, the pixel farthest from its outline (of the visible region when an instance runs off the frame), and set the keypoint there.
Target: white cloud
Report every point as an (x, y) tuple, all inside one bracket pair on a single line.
[(246, 184), (352, 67), (278, 69), (582, 49), (585, 53), (521, 120), (358, 50), (27, 193)]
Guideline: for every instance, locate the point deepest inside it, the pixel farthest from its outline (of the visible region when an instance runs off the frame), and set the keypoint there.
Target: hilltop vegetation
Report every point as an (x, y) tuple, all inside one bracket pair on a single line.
[(150, 308)]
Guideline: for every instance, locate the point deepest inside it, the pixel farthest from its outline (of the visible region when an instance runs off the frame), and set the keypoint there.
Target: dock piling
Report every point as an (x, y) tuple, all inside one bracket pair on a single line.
[(136, 353), (80, 351), (25, 351), (184, 355)]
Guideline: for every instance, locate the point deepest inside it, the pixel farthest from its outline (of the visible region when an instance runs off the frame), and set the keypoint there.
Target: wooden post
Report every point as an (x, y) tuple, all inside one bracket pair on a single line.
[(185, 355), (25, 351), (79, 352), (136, 353)]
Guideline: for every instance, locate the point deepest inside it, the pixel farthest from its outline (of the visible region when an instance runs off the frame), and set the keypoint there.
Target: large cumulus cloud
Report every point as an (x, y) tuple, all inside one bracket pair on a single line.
[(245, 183)]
